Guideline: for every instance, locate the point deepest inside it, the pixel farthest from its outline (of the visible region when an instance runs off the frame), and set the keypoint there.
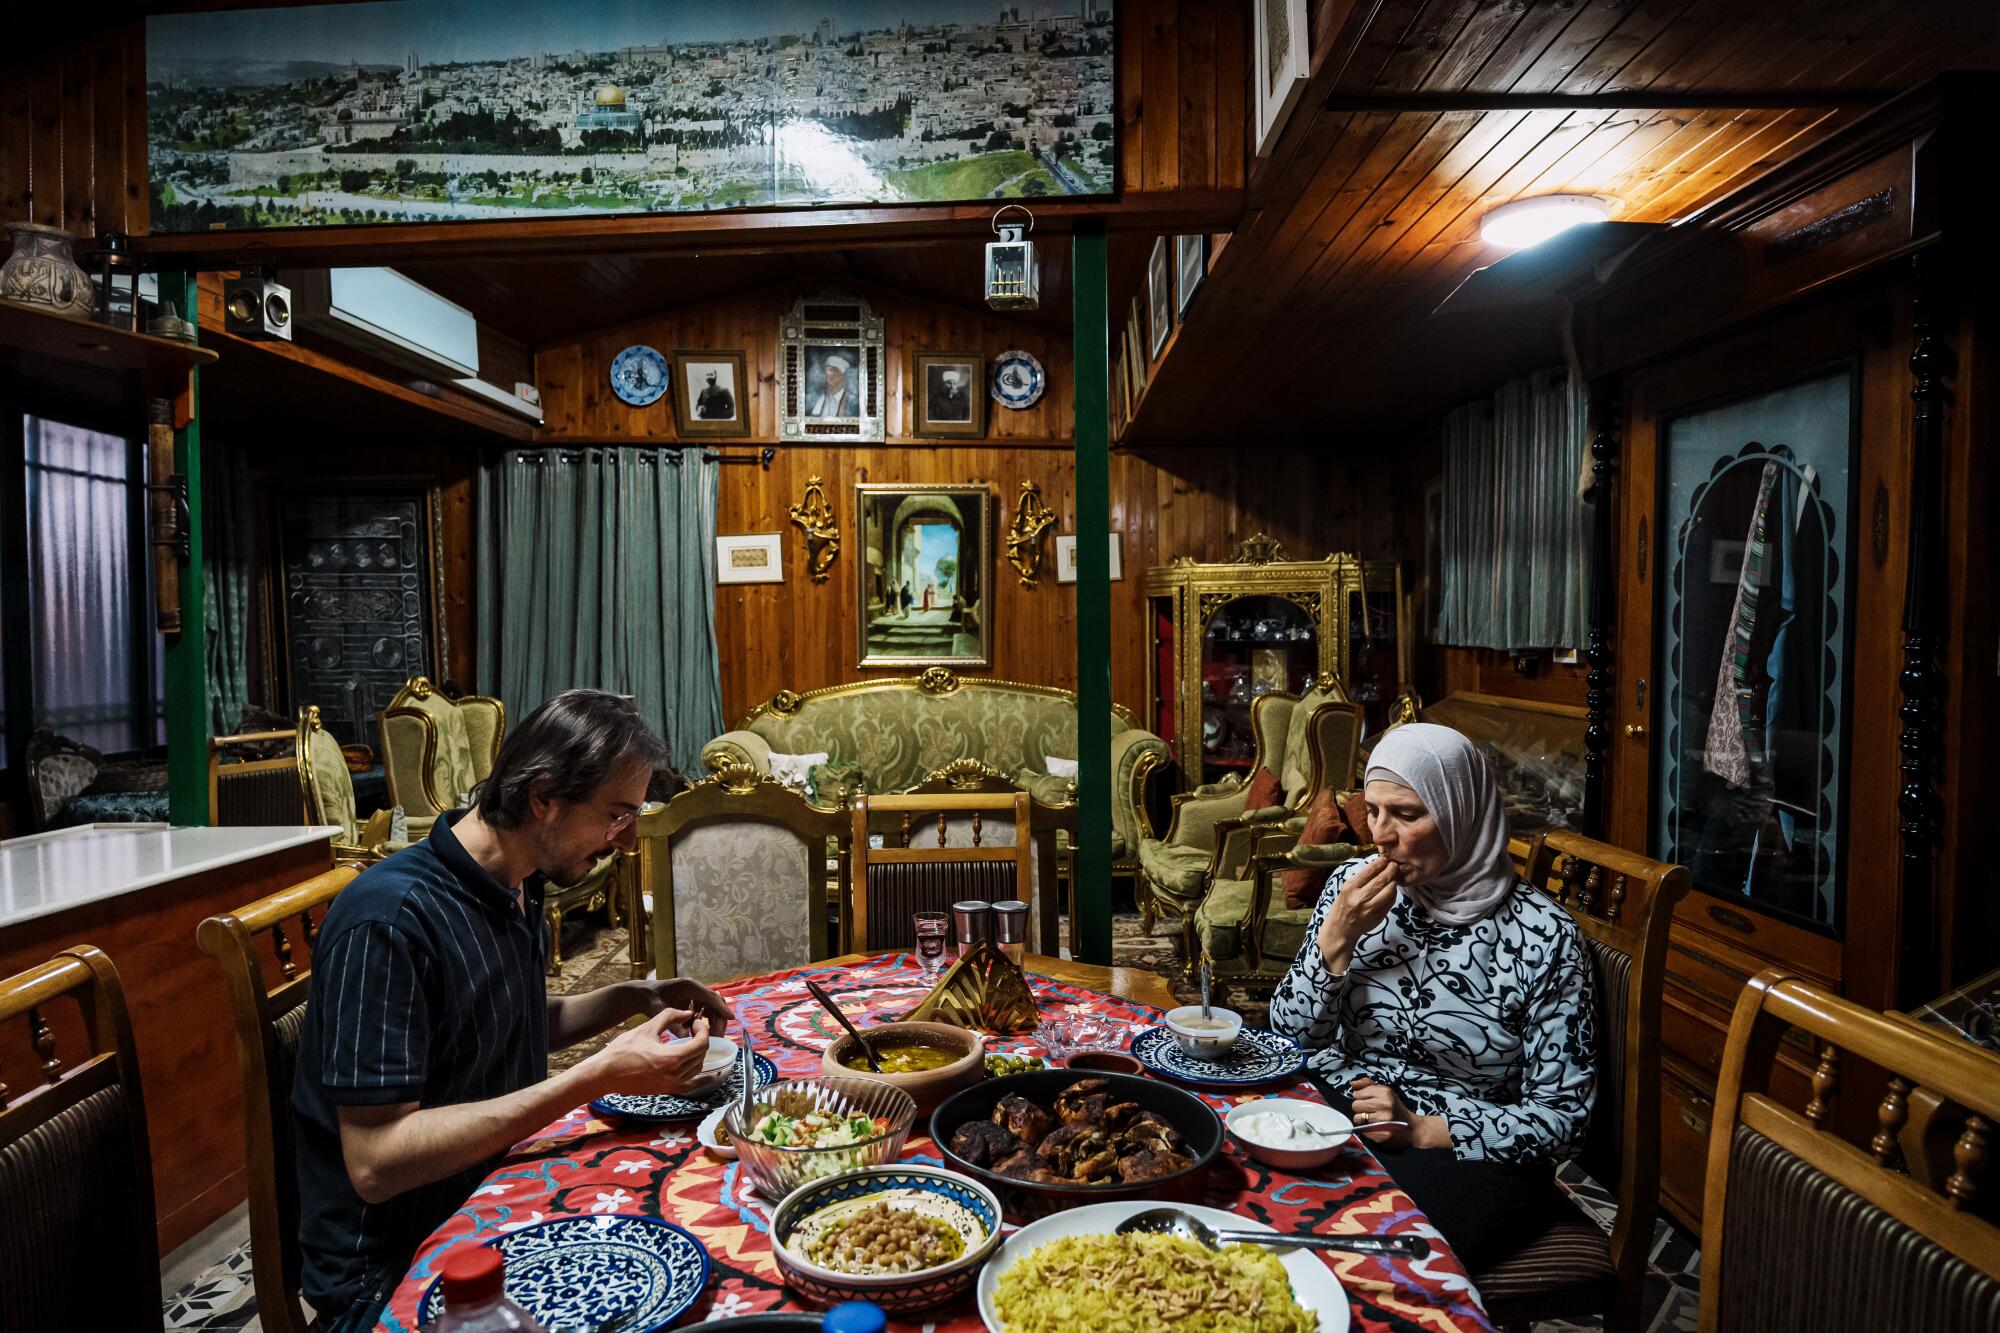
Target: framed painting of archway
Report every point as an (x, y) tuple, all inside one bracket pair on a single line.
[(924, 594)]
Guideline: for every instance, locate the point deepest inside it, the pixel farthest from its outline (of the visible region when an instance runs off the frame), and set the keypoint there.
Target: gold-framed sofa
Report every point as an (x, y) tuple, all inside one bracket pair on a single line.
[(885, 736), (436, 749)]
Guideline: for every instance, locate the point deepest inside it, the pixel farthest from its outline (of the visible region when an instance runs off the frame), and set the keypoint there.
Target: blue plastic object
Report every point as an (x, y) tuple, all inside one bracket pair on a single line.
[(854, 1317)]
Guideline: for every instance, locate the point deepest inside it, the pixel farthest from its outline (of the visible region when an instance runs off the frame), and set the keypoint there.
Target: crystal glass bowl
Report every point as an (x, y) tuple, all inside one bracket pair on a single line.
[(775, 1172)]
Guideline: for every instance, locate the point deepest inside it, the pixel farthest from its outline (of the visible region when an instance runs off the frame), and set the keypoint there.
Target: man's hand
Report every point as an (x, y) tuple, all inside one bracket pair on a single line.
[(654, 1059), (1364, 900), (681, 993)]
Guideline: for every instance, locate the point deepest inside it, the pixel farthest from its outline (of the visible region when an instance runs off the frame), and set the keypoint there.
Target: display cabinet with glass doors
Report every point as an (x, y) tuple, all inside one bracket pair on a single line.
[(1223, 633)]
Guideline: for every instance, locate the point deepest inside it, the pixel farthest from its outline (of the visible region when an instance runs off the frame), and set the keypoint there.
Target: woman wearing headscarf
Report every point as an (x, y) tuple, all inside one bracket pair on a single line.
[(1436, 989)]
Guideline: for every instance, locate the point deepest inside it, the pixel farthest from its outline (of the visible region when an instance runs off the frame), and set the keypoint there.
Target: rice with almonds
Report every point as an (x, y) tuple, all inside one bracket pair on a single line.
[(1148, 1283)]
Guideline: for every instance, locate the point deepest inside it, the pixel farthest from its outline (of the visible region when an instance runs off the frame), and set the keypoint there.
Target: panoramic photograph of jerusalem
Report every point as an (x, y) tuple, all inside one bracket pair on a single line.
[(435, 111)]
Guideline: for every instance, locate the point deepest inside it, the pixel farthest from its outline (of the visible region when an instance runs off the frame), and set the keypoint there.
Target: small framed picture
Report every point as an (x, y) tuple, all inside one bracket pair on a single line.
[(1159, 296), (1121, 393), (947, 394), (754, 557), (1283, 64), (1190, 267), (1066, 559), (1135, 343), (709, 397)]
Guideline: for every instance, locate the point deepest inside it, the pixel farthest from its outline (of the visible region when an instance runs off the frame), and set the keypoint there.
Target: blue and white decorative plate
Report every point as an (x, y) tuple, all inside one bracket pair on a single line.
[(1018, 380), (580, 1272), (1259, 1056), (665, 1106), (639, 375)]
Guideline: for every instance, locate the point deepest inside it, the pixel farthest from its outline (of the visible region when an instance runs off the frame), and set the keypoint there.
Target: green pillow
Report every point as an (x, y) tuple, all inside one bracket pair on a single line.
[(825, 782)]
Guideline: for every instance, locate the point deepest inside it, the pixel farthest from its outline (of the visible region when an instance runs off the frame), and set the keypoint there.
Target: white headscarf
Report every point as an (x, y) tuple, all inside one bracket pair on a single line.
[(1453, 781)]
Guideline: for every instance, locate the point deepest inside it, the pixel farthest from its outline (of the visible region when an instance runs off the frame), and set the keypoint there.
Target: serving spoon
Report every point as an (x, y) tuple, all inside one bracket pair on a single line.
[(833, 1007), (1174, 1222)]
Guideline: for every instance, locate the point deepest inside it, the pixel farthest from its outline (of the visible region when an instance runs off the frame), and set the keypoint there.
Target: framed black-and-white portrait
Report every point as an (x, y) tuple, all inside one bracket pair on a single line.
[(1283, 60), (947, 394), (710, 395), (1190, 268), (1135, 344), (1159, 297), (830, 363)]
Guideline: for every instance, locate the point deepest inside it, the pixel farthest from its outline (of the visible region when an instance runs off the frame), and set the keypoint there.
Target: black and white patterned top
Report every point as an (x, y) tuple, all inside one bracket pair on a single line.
[(1490, 1025)]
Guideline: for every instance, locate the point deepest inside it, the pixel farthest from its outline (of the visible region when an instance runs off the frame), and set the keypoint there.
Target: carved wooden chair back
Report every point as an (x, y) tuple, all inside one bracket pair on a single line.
[(1804, 1229), (265, 953), (736, 866), (917, 869), (1045, 822), (1624, 905), (58, 768), (253, 780), (76, 1171)]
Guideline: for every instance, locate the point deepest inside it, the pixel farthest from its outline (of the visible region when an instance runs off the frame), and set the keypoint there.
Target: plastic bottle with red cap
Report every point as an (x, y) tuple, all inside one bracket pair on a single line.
[(475, 1297)]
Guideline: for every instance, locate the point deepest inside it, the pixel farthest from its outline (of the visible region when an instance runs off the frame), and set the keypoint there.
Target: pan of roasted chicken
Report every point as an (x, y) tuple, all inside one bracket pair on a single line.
[(1056, 1138)]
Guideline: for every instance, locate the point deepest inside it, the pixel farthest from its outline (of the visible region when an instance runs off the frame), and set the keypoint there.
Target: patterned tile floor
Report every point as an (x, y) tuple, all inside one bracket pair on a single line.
[(220, 1295)]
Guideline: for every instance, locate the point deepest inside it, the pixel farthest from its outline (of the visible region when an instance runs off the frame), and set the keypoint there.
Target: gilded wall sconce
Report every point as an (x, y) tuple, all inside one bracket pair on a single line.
[(1032, 518), (815, 518)]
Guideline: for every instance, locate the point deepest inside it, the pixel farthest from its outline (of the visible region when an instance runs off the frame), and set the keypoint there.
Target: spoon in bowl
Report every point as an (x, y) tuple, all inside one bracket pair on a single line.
[(1174, 1222), (832, 1007)]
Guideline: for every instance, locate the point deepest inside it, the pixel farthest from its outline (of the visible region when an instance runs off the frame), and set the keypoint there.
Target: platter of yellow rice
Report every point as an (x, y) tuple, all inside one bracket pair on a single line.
[(1070, 1272)]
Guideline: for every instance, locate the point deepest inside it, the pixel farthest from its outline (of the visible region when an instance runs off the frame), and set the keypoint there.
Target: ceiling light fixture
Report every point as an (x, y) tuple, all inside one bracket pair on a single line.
[(1525, 222)]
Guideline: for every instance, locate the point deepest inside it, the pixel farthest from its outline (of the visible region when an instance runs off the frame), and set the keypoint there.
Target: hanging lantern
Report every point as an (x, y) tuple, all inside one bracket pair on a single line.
[(1013, 278), (113, 262)]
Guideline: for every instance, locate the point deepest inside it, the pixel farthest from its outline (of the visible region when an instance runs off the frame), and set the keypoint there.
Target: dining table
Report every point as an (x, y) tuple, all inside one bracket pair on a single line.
[(584, 1164)]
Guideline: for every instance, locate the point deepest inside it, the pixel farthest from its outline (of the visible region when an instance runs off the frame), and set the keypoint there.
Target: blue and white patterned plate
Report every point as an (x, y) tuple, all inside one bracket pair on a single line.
[(668, 1107), (579, 1272), (639, 375), (1259, 1056), (1018, 379)]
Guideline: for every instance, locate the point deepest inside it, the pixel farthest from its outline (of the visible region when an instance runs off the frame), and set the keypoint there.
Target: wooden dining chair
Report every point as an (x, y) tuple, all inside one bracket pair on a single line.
[(934, 853), (736, 870), (268, 973), (1623, 903), (1050, 827), (1804, 1228), (77, 1226)]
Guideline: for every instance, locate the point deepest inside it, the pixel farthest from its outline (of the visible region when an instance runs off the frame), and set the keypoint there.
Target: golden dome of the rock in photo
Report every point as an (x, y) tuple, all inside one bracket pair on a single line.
[(611, 95)]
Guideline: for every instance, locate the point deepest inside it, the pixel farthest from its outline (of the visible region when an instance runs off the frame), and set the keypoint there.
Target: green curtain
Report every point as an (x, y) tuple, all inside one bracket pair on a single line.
[(597, 570), (1514, 526), (228, 530)]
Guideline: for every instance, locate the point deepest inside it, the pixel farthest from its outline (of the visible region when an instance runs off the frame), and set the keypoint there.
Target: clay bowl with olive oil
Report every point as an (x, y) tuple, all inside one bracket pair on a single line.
[(930, 1061)]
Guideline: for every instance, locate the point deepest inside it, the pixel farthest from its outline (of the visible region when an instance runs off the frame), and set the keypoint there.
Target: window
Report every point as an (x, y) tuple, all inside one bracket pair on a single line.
[(92, 655)]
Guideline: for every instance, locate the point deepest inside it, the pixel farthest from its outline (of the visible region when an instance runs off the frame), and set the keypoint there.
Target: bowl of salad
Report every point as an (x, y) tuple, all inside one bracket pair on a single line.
[(807, 1129)]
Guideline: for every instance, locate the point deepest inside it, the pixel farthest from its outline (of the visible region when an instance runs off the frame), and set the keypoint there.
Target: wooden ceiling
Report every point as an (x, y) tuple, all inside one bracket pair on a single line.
[(544, 301), (1424, 113)]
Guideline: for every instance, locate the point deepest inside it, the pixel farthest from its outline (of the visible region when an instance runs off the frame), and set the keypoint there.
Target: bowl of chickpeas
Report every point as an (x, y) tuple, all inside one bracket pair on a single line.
[(905, 1237)]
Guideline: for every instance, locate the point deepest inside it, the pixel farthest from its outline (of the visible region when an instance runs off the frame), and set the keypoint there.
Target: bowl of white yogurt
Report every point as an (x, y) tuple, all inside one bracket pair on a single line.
[(1289, 1134)]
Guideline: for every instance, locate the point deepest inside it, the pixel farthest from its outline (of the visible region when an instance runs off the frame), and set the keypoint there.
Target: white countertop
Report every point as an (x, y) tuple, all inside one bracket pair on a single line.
[(51, 872)]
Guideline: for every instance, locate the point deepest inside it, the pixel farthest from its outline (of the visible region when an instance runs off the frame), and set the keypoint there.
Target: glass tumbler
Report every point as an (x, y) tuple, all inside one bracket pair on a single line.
[(933, 940)]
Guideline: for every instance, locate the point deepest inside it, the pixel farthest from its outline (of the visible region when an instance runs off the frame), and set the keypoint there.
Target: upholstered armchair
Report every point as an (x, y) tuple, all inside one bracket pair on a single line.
[(435, 750), (328, 789), (1247, 933), (1210, 835), (736, 868)]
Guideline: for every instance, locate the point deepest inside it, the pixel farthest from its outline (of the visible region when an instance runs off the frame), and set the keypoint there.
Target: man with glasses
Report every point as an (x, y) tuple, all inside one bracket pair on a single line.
[(424, 1053)]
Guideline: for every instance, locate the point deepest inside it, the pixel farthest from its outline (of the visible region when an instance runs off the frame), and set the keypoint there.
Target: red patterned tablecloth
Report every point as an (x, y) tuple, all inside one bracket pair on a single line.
[(582, 1165)]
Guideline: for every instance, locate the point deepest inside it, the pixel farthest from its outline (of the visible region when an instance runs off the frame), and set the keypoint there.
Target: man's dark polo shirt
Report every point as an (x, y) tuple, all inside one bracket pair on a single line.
[(426, 987)]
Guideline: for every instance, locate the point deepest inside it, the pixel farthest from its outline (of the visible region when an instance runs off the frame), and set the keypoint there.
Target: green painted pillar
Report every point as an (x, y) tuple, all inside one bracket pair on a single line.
[(1091, 344), (187, 651)]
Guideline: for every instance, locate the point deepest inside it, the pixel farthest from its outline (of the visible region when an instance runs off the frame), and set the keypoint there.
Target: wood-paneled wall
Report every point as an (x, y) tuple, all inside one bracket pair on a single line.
[(577, 402), (73, 136)]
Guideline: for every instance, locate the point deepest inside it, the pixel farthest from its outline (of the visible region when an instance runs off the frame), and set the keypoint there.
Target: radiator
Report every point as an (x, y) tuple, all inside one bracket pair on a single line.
[(261, 797), (899, 889)]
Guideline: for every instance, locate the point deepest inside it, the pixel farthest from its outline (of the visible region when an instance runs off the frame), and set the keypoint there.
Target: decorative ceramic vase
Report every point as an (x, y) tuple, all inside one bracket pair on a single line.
[(40, 272)]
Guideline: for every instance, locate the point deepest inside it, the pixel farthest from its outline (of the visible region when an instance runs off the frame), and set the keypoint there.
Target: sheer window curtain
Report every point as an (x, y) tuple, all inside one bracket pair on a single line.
[(1514, 527), (597, 570)]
